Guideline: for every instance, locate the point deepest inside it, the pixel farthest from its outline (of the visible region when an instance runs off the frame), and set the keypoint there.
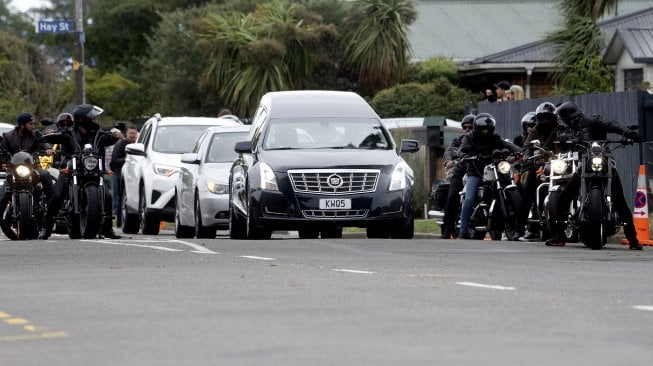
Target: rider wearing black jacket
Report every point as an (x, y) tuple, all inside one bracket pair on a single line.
[(579, 127), (455, 173), (83, 132), (25, 137), (481, 142)]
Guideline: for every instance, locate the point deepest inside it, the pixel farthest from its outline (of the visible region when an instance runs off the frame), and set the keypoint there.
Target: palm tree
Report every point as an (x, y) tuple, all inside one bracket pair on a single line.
[(582, 42), (377, 47)]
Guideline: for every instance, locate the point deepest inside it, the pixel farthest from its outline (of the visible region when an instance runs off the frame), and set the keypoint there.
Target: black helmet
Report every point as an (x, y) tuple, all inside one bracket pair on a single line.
[(85, 114), (528, 120), (484, 121), (545, 112), (467, 120), (568, 112)]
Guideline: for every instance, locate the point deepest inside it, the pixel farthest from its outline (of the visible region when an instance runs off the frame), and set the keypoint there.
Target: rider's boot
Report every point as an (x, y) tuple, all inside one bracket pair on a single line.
[(631, 235), (107, 230), (46, 231)]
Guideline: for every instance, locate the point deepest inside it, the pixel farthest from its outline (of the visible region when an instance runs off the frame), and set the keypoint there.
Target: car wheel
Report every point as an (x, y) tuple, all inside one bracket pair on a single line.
[(237, 225), (202, 231), (182, 231), (130, 222), (253, 229), (149, 223), (406, 230), (331, 233)]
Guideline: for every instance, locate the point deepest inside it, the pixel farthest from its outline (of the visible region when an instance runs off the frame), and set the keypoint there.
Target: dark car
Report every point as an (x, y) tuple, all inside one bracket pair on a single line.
[(318, 161)]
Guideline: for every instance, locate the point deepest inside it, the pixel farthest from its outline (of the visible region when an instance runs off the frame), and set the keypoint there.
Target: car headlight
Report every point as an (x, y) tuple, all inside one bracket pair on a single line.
[(23, 171), (402, 176), (217, 188), (597, 163), (558, 166), (503, 167), (165, 170), (268, 179), (91, 163)]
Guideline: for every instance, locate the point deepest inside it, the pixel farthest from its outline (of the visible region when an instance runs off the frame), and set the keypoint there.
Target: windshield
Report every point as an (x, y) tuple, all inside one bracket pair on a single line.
[(177, 139), (221, 149), (326, 133)]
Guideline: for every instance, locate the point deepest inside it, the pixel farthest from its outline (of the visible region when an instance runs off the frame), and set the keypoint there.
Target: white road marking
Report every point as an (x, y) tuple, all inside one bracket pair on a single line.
[(198, 248), (493, 287), (104, 241), (353, 271), (643, 307), (259, 258)]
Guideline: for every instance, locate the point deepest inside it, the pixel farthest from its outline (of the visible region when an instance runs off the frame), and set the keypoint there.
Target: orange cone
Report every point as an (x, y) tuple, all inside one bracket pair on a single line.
[(640, 210)]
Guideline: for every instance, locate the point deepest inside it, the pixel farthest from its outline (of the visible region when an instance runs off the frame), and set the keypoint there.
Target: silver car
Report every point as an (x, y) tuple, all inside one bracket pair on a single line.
[(202, 188)]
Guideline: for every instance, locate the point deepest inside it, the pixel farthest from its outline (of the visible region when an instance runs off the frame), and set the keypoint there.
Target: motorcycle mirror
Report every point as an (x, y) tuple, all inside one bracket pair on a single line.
[(46, 122), (536, 143)]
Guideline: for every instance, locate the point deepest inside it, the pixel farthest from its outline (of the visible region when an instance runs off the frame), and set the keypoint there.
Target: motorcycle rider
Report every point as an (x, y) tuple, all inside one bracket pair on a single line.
[(455, 173), (527, 122), (590, 128), (83, 131), (546, 122), (482, 141), (25, 137)]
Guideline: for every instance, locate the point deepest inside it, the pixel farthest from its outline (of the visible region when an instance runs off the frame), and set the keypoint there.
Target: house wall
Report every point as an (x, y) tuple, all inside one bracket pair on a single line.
[(625, 63)]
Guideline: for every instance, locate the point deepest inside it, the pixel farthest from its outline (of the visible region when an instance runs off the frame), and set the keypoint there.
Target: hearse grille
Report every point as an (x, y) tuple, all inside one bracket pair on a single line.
[(334, 214), (320, 181)]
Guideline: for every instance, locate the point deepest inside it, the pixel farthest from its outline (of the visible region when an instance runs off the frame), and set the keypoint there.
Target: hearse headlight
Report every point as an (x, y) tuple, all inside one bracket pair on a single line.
[(503, 167), (558, 166), (402, 176), (268, 179), (597, 163)]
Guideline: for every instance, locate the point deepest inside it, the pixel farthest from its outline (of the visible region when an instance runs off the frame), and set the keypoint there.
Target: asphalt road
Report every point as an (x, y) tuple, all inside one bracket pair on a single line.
[(352, 301)]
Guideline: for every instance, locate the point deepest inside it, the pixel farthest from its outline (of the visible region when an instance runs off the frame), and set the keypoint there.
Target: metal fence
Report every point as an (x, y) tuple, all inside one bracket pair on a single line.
[(628, 107)]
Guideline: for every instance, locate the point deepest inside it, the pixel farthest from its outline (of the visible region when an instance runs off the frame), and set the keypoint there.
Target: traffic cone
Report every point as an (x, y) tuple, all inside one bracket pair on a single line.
[(640, 211)]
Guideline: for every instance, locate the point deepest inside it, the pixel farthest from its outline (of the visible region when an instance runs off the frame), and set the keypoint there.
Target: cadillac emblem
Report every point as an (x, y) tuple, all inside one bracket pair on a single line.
[(334, 181)]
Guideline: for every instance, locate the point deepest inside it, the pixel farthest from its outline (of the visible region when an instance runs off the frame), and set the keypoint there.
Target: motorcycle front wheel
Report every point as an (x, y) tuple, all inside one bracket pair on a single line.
[(594, 231), (90, 214), (24, 225)]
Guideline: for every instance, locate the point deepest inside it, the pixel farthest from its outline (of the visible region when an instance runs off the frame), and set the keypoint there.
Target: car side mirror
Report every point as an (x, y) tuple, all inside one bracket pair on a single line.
[(190, 158), (409, 146), (136, 148), (243, 147)]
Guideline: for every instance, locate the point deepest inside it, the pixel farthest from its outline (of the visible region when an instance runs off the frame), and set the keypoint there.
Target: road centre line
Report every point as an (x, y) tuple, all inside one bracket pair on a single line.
[(259, 258), (643, 307), (105, 241), (353, 271), (492, 287)]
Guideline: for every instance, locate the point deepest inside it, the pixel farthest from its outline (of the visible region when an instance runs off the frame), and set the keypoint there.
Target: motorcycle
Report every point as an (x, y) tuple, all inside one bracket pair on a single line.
[(592, 215), (498, 199), (83, 210), (27, 207)]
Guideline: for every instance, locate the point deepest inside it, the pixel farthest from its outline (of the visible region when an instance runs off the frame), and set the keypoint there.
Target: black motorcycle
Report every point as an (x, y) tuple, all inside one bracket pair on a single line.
[(82, 212), (23, 218), (498, 199)]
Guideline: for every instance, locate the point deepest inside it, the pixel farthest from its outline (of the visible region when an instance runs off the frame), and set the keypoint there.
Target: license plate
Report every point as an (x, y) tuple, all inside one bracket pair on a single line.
[(335, 204)]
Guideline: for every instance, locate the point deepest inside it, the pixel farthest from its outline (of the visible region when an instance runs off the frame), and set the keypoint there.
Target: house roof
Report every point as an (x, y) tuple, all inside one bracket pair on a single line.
[(637, 41), (543, 51), (468, 29)]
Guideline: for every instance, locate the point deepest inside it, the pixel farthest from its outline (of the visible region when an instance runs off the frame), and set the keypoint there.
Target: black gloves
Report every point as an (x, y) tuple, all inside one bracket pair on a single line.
[(633, 135)]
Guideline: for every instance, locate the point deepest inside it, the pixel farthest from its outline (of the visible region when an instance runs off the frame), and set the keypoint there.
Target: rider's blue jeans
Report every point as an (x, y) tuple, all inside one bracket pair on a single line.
[(471, 191)]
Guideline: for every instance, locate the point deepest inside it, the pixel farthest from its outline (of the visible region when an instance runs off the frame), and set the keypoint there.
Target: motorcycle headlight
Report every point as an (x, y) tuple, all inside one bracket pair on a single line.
[(268, 179), (558, 166), (23, 171), (217, 188), (503, 167), (91, 163), (597, 163), (402, 176), (165, 170)]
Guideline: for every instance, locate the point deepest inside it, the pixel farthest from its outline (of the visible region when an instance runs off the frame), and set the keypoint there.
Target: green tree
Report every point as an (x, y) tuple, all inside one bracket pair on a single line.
[(439, 98), (430, 70), (271, 49), (377, 45), (581, 41)]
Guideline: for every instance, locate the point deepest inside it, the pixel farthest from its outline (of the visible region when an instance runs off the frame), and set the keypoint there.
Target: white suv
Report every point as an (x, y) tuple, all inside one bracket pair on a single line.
[(151, 167)]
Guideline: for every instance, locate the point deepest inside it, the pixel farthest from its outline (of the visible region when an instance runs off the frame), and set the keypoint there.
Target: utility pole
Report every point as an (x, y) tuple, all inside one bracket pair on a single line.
[(78, 62)]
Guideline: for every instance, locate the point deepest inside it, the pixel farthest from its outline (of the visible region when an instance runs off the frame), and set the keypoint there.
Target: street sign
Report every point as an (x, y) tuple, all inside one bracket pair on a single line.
[(55, 26)]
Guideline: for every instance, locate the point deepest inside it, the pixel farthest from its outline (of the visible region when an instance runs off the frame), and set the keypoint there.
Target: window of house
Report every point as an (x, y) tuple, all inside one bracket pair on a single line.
[(633, 79)]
